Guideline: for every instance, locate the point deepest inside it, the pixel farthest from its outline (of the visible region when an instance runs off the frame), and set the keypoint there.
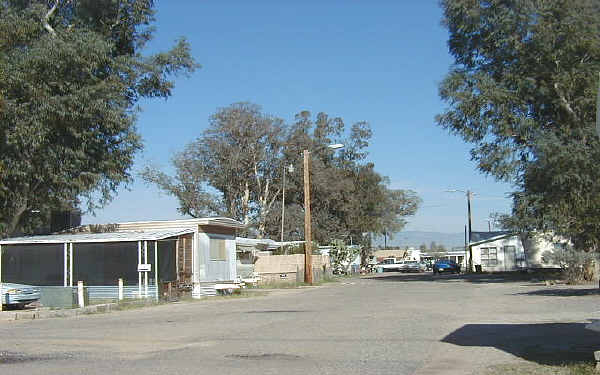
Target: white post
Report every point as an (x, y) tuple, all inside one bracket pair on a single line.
[(146, 273), (139, 272), (80, 294), (156, 267), (120, 289), (65, 264), (1, 278), (71, 264)]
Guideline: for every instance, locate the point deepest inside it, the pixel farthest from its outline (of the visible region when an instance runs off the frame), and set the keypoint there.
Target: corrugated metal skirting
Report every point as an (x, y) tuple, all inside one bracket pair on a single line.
[(208, 289), (112, 292)]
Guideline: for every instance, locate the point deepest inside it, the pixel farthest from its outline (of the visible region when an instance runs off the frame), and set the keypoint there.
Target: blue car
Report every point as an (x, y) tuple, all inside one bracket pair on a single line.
[(446, 266)]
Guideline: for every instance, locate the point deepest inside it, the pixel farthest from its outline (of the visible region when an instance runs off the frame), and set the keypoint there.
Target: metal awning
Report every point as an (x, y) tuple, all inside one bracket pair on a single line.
[(98, 237)]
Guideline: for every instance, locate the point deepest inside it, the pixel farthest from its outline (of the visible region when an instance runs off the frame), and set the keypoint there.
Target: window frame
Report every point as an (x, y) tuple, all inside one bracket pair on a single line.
[(489, 256)]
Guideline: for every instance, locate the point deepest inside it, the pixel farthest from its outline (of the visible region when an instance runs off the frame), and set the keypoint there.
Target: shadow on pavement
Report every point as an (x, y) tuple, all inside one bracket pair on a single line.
[(547, 343), (471, 277), (567, 292)]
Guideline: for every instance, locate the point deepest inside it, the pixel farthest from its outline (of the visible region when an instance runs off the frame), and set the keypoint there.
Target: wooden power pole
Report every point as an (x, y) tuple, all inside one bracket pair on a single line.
[(308, 275)]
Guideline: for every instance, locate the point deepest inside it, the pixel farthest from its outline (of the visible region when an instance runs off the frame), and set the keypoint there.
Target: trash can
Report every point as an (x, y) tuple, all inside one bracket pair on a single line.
[(478, 268)]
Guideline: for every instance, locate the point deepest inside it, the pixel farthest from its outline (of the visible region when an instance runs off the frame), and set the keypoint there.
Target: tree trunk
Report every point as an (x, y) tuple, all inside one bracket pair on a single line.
[(15, 221)]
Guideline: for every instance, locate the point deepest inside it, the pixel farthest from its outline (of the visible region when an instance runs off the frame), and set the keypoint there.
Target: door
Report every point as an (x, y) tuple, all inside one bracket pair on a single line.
[(509, 258)]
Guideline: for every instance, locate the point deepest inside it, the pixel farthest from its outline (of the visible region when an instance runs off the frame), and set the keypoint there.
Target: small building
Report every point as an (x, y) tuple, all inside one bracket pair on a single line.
[(506, 251), (498, 251), (191, 255)]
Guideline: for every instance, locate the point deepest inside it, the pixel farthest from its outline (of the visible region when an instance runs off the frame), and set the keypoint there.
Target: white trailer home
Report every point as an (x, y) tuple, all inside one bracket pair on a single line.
[(498, 251), (190, 255)]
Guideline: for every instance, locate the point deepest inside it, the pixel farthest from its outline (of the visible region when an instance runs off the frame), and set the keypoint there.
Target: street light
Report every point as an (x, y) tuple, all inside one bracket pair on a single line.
[(469, 195), (308, 275), (290, 169)]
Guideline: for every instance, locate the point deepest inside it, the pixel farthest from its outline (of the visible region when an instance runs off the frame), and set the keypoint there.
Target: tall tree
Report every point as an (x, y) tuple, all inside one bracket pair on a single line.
[(348, 197), (523, 91), (71, 73), (242, 156), (239, 156)]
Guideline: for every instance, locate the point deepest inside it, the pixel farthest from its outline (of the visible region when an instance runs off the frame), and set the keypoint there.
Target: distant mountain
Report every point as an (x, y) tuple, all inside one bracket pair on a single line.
[(416, 238)]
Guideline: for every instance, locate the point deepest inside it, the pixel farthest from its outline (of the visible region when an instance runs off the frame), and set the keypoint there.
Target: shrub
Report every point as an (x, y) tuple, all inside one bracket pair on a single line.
[(576, 265)]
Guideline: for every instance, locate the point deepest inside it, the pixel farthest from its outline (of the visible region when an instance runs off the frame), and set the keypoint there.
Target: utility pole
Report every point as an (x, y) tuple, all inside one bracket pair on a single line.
[(466, 247), (385, 239), (469, 195), (308, 275)]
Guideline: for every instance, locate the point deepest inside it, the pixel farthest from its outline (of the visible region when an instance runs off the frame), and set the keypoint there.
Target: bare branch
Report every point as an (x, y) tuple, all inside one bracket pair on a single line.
[(564, 101), (47, 18)]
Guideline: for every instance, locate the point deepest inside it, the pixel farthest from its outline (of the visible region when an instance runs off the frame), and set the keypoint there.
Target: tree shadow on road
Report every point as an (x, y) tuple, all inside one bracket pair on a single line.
[(563, 292), (547, 343)]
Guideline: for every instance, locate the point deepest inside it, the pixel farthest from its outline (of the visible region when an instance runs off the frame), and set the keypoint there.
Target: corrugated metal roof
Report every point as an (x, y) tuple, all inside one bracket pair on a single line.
[(482, 236), (253, 242), (98, 237), (184, 223), (478, 238)]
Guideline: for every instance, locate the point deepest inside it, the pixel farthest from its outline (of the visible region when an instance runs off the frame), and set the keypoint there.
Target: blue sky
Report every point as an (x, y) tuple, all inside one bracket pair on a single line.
[(377, 61)]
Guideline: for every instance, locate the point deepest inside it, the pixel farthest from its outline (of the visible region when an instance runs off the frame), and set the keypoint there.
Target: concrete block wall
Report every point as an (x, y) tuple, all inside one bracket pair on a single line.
[(290, 268)]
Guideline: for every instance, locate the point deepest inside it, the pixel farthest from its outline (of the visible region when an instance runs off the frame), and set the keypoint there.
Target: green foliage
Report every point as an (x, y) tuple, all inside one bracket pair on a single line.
[(239, 157), (242, 156), (71, 73), (342, 256), (348, 197), (523, 91)]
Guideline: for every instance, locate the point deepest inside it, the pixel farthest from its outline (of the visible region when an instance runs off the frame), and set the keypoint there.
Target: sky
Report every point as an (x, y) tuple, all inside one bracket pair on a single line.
[(377, 61)]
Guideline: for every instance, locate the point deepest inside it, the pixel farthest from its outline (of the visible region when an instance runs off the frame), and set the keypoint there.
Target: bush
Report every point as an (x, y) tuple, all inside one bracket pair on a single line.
[(576, 265)]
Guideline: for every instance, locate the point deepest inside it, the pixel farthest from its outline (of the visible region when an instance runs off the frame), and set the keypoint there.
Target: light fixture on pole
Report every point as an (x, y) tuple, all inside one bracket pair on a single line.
[(308, 274), (469, 195), (290, 169)]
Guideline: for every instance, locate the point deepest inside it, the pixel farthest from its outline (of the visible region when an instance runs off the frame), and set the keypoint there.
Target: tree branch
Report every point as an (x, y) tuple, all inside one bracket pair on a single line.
[(564, 101), (47, 18)]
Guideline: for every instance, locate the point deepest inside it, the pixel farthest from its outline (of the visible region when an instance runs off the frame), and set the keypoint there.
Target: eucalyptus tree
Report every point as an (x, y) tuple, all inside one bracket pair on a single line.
[(522, 91), (235, 168), (348, 197), (71, 74), (232, 168)]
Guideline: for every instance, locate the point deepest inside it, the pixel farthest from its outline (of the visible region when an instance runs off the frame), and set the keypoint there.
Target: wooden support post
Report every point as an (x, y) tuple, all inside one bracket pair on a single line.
[(80, 294), (308, 277)]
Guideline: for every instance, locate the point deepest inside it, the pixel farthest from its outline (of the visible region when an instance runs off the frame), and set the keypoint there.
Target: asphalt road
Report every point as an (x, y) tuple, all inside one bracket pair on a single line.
[(387, 324)]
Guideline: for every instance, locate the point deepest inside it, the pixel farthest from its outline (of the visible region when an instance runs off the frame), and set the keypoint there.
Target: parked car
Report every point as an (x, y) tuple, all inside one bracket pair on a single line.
[(18, 295), (446, 266), (411, 266), (390, 265)]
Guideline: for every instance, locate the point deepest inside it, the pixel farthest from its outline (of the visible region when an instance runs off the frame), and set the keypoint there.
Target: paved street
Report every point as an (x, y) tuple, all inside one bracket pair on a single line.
[(387, 324)]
